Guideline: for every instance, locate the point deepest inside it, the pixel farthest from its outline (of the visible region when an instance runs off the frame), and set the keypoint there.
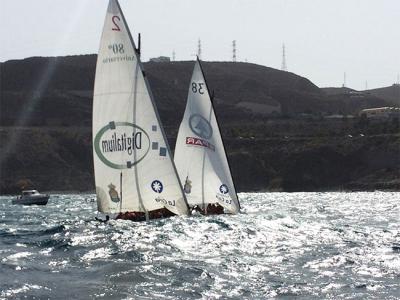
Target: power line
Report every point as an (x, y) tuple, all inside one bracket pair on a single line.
[(234, 50), (344, 80), (199, 49), (283, 67)]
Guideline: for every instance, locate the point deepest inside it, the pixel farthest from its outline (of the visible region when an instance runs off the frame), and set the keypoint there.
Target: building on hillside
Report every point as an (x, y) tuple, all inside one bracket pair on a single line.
[(160, 59), (271, 109), (380, 113), (338, 116)]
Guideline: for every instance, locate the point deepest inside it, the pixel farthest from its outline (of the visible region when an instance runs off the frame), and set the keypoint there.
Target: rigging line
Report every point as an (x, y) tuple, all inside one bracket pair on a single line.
[(202, 181), (120, 192), (204, 157), (135, 167)]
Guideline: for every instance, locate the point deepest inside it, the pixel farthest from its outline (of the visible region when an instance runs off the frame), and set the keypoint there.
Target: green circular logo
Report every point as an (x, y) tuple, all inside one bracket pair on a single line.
[(121, 145)]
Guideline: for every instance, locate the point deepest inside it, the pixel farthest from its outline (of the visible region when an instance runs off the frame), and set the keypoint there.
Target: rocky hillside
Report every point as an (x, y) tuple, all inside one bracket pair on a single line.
[(45, 134), (390, 94), (278, 155)]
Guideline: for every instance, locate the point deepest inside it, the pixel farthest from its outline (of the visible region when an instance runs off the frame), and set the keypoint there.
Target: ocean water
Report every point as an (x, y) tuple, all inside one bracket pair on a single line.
[(282, 246)]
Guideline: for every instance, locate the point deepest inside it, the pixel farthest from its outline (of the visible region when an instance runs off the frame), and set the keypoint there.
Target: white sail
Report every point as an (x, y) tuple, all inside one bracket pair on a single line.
[(133, 167), (200, 156)]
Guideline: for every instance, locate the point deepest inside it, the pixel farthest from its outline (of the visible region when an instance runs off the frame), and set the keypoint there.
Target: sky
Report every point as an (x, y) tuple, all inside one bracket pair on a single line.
[(323, 38)]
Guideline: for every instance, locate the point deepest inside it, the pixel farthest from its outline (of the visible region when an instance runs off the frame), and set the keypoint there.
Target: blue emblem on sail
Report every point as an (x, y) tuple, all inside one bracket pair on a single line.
[(200, 126), (157, 186), (163, 151), (224, 189)]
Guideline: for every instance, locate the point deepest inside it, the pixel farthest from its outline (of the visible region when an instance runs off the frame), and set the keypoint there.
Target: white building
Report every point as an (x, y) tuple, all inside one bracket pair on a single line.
[(381, 112), (160, 59)]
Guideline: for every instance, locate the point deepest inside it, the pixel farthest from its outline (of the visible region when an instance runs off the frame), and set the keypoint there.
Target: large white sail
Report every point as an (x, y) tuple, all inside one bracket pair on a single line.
[(133, 167), (200, 156)]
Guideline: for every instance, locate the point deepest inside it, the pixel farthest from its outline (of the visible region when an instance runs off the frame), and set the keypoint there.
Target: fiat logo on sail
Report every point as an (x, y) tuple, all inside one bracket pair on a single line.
[(121, 145)]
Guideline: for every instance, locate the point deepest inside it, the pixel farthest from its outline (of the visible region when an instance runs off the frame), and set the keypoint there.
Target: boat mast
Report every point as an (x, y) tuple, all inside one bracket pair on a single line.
[(138, 49)]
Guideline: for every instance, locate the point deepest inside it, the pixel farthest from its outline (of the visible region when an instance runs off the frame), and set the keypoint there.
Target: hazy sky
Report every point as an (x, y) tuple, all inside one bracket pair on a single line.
[(323, 38)]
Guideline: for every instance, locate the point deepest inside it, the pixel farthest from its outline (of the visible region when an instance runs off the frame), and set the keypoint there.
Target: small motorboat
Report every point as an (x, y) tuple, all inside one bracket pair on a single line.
[(31, 197)]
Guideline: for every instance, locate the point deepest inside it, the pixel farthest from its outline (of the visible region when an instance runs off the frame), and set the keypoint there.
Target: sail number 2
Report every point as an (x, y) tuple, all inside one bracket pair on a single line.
[(114, 20), (197, 88)]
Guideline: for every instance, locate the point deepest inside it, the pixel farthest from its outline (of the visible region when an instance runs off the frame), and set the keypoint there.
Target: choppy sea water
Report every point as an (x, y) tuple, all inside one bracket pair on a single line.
[(282, 245)]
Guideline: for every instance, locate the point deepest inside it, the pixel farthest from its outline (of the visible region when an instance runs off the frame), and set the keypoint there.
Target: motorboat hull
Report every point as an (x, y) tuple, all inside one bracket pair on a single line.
[(34, 200)]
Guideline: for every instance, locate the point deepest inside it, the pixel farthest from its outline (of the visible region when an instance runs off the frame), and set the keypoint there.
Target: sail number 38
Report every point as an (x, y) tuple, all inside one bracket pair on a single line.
[(197, 88)]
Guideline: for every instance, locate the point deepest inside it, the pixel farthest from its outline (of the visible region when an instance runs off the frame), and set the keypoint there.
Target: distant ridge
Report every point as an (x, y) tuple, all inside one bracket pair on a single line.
[(390, 93), (62, 87), (337, 90)]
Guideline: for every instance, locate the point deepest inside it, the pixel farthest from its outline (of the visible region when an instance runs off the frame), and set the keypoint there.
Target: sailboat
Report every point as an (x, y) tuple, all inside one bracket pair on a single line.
[(200, 156), (134, 170)]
